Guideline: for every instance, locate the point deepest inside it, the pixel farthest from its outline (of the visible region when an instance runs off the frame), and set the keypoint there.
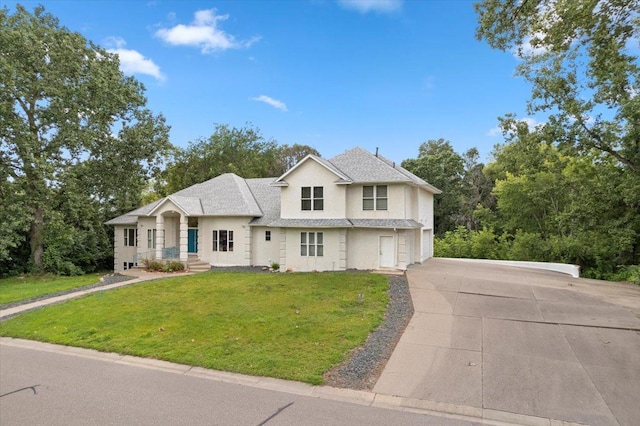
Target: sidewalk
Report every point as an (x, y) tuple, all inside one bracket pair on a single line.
[(138, 275)]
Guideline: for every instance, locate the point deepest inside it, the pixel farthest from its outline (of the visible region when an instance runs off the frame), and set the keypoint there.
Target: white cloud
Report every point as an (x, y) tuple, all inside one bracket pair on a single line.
[(132, 61), (531, 46), (270, 101), (531, 122), (365, 6), (203, 33)]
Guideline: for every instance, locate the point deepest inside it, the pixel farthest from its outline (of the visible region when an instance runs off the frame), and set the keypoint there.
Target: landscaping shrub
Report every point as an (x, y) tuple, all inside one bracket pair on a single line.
[(173, 266), (152, 265)]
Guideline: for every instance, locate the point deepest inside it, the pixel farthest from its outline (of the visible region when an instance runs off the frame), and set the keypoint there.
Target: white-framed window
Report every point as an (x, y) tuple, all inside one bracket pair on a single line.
[(374, 197), (312, 198), (222, 240), (130, 237), (267, 235), (311, 244), (151, 238)]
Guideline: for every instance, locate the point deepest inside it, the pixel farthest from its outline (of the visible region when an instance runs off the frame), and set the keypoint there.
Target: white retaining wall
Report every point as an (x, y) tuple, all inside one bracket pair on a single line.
[(573, 270)]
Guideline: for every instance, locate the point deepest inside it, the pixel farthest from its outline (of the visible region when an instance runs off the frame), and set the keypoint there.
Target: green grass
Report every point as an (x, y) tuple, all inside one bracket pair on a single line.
[(290, 326), (15, 289)]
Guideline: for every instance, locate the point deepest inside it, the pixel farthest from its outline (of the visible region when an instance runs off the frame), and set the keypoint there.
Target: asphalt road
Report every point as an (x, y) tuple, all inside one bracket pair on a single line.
[(46, 388)]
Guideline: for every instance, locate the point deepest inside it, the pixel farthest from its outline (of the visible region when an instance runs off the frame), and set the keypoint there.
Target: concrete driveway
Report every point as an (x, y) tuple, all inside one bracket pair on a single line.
[(519, 345)]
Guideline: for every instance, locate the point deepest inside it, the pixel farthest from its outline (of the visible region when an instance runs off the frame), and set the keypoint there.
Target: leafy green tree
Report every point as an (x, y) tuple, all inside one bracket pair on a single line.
[(243, 151), (581, 59), (288, 155), (67, 113), (441, 166), (478, 188)]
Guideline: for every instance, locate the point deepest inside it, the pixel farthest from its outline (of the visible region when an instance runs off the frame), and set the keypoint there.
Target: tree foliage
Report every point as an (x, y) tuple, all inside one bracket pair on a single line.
[(77, 143), (439, 164), (568, 190), (581, 58), (243, 151)]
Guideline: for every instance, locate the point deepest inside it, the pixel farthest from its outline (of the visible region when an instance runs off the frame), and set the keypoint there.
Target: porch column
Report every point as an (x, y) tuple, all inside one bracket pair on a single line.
[(184, 238), (159, 236)]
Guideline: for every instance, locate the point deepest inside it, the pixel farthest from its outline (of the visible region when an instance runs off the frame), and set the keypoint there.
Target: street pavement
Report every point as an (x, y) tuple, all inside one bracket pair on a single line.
[(43, 384), (518, 345)]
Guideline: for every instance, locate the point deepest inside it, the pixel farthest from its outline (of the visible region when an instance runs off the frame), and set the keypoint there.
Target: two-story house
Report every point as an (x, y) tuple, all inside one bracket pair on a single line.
[(355, 211)]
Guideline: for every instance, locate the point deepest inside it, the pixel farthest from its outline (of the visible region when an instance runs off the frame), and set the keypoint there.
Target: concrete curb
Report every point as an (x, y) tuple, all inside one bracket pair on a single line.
[(460, 412)]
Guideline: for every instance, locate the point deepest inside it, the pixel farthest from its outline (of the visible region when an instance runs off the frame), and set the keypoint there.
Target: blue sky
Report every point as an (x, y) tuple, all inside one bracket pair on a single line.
[(332, 74)]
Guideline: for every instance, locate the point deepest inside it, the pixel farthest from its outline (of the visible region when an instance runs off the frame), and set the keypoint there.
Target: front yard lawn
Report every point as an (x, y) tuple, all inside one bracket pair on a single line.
[(290, 326), (26, 287)]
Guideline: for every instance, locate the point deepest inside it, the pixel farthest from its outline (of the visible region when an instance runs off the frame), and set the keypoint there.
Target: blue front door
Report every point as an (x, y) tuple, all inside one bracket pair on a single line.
[(192, 244)]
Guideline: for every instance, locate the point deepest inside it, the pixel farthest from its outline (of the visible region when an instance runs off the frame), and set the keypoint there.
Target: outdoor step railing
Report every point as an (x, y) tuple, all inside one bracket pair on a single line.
[(167, 253), (170, 253)]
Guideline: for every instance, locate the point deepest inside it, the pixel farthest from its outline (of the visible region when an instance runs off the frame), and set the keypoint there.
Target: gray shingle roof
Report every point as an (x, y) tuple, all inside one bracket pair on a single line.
[(192, 206), (224, 195), (346, 223), (386, 223), (125, 219), (267, 197), (363, 167), (311, 223)]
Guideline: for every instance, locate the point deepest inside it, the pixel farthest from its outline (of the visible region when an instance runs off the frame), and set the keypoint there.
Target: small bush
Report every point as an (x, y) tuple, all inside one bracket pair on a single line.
[(173, 266), (275, 266), (152, 265)]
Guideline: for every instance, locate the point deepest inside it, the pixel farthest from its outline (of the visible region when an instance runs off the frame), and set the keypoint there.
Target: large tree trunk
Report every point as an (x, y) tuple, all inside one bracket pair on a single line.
[(36, 239)]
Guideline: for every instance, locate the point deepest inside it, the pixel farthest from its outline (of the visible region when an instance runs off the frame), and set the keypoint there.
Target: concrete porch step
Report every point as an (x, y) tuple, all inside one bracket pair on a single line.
[(196, 265)]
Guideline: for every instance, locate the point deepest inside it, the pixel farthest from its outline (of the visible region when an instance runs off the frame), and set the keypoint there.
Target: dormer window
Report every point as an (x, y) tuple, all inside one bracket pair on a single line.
[(374, 197), (312, 198)]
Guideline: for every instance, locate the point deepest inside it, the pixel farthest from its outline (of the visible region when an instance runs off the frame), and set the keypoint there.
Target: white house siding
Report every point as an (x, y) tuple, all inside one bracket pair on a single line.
[(425, 209), (427, 244), (363, 247), (171, 231), (122, 254), (241, 241), (144, 224), (395, 203), (425, 212), (265, 252), (330, 261), (312, 174)]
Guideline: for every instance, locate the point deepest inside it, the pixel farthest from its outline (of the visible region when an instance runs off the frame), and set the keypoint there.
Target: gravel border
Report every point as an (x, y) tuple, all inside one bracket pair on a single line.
[(105, 280), (365, 364)]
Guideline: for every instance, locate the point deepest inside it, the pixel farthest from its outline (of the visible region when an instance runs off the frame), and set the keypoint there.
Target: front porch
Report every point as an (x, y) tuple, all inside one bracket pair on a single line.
[(172, 235)]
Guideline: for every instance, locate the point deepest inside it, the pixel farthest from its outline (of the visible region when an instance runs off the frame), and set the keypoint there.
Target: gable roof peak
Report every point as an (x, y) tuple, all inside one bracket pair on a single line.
[(342, 177)]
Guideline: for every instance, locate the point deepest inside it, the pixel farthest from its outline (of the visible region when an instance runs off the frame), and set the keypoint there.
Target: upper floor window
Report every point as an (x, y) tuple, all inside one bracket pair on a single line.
[(130, 237), (312, 198), (267, 235), (222, 240), (374, 197)]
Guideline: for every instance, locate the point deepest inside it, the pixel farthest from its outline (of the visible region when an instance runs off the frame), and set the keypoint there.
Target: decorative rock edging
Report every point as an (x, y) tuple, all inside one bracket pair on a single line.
[(363, 367)]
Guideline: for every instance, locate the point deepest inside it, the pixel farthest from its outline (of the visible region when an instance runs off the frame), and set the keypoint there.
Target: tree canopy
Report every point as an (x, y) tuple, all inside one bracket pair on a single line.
[(581, 58), (77, 143), (243, 151)]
